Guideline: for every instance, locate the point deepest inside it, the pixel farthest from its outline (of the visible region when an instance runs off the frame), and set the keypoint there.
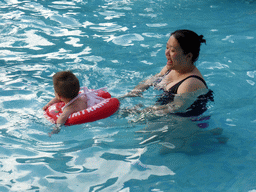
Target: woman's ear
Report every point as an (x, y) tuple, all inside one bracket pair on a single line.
[(190, 56)]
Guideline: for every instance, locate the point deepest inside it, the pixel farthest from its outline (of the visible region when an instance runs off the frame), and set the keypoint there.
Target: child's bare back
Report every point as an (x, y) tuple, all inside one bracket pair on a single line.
[(77, 105)]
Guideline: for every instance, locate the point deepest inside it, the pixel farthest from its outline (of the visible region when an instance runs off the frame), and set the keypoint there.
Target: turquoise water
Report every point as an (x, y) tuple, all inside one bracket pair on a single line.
[(117, 44)]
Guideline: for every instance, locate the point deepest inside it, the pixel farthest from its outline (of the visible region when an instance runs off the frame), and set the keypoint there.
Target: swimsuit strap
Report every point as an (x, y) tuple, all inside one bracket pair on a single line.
[(175, 87), (159, 79), (91, 94), (167, 72)]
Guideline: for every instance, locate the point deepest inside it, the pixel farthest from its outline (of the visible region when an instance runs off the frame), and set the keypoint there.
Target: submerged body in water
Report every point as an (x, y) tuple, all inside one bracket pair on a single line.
[(192, 105), (181, 135)]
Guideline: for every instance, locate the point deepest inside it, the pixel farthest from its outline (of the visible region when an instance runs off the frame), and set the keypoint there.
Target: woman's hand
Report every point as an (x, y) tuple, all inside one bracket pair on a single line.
[(133, 93), (157, 110)]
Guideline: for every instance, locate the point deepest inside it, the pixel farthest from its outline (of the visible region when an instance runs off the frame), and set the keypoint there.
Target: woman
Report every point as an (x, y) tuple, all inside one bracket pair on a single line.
[(179, 77)]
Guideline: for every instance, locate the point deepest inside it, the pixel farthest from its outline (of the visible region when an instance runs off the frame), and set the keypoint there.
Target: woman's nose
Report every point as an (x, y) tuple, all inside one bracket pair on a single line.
[(167, 53)]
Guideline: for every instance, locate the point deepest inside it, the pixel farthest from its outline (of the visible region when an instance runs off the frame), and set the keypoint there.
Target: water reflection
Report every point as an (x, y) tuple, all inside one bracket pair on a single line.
[(180, 134)]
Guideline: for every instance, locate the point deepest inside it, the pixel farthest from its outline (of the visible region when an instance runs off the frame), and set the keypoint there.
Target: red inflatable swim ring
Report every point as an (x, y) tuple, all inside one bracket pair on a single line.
[(104, 109)]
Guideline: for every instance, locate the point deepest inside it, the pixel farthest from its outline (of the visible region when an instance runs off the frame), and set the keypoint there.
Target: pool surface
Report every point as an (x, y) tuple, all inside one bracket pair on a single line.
[(118, 43)]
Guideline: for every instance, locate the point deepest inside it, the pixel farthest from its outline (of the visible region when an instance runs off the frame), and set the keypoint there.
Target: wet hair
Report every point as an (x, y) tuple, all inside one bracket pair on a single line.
[(66, 84), (189, 42)]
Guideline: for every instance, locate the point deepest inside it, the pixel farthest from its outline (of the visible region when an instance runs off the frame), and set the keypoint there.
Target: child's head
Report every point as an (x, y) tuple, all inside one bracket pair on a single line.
[(66, 84)]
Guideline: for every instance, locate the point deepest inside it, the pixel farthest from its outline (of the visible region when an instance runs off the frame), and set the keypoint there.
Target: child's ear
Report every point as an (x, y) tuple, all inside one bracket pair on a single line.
[(60, 98), (57, 95)]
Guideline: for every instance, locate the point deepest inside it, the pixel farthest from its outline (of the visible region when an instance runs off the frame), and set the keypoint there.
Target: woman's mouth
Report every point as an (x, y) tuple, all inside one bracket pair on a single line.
[(169, 62)]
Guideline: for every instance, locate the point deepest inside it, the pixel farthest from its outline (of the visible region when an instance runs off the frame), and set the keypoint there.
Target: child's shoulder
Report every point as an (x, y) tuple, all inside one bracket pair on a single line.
[(83, 98), (80, 104)]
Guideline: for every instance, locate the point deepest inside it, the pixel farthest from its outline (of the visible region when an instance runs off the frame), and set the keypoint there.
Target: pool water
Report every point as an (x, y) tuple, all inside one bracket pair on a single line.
[(118, 43)]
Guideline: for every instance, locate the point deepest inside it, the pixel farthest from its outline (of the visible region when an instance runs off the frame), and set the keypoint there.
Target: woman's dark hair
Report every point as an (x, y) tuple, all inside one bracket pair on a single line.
[(66, 84), (189, 42)]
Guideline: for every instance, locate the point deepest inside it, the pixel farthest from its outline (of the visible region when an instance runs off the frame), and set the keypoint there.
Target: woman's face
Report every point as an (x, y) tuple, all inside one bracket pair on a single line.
[(176, 58)]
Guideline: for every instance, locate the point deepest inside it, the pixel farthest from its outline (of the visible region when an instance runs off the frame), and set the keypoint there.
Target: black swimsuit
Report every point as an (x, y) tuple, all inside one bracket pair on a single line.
[(197, 108)]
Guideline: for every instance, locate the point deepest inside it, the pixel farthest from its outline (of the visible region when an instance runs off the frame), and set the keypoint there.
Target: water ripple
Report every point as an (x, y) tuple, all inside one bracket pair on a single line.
[(126, 40)]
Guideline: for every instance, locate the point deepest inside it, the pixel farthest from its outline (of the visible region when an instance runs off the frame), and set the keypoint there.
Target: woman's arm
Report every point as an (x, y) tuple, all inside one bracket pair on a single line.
[(180, 103), (141, 87), (144, 85), (160, 110)]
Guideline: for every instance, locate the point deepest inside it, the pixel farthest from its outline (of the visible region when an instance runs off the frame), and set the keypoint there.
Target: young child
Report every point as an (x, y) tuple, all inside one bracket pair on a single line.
[(66, 87)]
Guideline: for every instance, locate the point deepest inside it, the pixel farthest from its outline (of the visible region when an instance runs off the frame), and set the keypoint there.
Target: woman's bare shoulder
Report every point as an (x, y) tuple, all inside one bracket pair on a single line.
[(190, 85)]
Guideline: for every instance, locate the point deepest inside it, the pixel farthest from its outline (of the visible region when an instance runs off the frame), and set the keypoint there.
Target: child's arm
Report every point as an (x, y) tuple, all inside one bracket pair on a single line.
[(60, 121), (64, 116), (54, 100)]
